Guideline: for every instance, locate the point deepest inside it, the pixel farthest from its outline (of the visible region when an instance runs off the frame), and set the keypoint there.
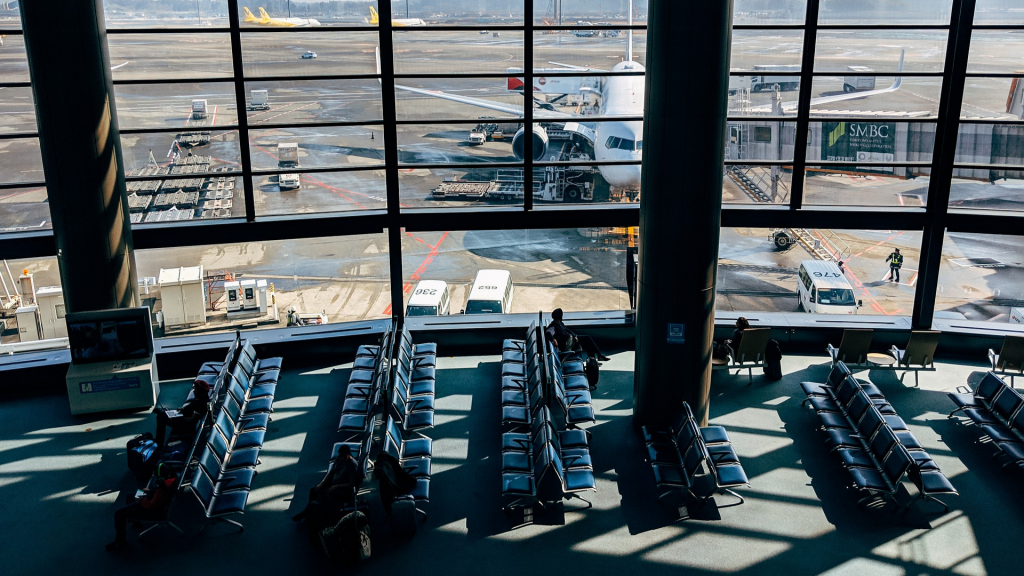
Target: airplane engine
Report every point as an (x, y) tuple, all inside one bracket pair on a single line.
[(540, 143)]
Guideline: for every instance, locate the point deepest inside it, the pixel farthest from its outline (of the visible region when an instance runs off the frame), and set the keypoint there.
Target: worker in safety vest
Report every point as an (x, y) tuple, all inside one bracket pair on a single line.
[(895, 262)]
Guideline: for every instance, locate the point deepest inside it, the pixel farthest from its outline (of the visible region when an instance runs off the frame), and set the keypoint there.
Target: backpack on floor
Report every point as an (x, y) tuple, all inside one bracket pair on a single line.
[(142, 456), (349, 539), (773, 361), (593, 372)]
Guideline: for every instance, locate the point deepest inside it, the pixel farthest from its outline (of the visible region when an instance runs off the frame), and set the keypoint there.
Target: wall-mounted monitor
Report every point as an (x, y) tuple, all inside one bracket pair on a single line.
[(110, 335)]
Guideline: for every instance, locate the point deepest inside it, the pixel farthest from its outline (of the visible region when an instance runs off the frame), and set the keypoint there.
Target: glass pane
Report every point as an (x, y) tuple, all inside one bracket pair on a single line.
[(17, 111), (760, 140), (279, 148), (13, 61), (158, 56), (585, 97), (533, 269), (914, 97), (761, 12), (583, 12), (759, 270), (871, 142), (929, 12), (45, 274), (285, 15), (750, 184), (300, 193), (767, 50), (20, 161), (457, 187), (10, 17), (866, 186), (458, 143), (24, 209), (993, 98), (167, 105), (866, 51), (598, 49), (980, 278), (990, 144), (215, 151), (755, 95), (326, 280), (465, 52), (166, 14), (1007, 12), (309, 53), (459, 99), (996, 51), (987, 189), (298, 102)]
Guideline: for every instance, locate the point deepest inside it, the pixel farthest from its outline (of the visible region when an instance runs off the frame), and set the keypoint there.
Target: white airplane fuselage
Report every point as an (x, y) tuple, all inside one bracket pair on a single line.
[(621, 140)]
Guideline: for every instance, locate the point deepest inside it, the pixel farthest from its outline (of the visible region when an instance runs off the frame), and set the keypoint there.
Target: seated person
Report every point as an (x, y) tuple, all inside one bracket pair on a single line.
[(184, 420), (721, 350), (336, 490), (566, 340), (151, 506)]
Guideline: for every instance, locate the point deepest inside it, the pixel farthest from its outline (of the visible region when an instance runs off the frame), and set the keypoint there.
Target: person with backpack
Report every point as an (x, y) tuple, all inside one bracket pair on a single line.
[(152, 505), (566, 340), (183, 421), (337, 489)]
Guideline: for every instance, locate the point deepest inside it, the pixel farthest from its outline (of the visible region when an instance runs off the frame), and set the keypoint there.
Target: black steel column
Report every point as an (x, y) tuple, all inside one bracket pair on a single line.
[(70, 69), (680, 206)]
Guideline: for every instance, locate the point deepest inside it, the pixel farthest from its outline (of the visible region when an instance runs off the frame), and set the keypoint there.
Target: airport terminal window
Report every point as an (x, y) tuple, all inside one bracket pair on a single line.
[(980, 278), (754, 184), (322, 280), (25, 284), (574, 269), (760, 270)]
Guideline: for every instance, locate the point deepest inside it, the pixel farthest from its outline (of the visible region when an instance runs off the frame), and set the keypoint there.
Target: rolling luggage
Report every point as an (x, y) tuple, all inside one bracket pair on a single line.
[(773, 361)]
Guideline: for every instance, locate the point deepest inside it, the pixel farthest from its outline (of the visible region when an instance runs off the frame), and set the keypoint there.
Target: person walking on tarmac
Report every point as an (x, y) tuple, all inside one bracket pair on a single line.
[(895, 262)]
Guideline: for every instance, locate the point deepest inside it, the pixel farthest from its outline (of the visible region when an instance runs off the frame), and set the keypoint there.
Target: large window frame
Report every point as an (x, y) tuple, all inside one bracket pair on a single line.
[(934, 219)]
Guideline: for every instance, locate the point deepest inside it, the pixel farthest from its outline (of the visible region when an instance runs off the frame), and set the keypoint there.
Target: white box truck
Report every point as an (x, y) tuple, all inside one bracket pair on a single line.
[(288, 181), (200, 109), (858, 82), (259, 100), (786, 83), (288, 154)]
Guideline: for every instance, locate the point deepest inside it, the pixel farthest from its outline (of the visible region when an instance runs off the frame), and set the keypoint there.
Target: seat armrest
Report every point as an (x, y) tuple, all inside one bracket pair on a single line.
[(832, 351), (992, 358), (964, 389)]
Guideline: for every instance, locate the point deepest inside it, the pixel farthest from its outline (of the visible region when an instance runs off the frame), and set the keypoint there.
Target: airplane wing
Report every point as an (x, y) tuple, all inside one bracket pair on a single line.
[(119, 65), (850, 96), (510, 109)]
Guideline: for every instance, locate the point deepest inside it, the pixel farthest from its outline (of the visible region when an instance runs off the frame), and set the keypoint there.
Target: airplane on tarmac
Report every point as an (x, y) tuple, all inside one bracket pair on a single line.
[(266, 20), (621, 96), (397, 22)]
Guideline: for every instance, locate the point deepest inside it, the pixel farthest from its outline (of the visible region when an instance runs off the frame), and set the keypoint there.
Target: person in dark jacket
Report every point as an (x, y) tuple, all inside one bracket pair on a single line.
[(151, 506), (895, 262), (338, 488), (737, 334), (566, 340), (183, 421)]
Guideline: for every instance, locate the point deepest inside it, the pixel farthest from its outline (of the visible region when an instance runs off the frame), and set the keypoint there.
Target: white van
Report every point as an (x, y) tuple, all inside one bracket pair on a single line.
[(491, 294), (824, 289), (430, 298)]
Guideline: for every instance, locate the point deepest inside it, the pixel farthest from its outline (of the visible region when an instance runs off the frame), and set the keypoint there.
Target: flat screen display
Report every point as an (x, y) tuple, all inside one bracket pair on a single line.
[(117, 338)]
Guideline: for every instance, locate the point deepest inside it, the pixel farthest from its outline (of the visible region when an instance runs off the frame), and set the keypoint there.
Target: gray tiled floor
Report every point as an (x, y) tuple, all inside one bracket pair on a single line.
[(60, 479)]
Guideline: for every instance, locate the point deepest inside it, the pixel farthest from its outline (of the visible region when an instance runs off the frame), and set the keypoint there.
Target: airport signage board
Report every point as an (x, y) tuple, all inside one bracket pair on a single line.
[(867, 142)]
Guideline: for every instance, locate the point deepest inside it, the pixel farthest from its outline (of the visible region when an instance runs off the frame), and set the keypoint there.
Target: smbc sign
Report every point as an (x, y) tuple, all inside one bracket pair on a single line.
[(858, 141)]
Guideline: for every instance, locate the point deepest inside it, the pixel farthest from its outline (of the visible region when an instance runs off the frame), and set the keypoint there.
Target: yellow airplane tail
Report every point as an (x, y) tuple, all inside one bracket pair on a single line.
[(264, 16), (374, 20), (249, 16)]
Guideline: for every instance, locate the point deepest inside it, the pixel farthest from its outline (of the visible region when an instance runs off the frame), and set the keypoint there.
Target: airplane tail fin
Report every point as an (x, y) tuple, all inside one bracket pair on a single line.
[(263, 14), (374, 19), (249, 16)]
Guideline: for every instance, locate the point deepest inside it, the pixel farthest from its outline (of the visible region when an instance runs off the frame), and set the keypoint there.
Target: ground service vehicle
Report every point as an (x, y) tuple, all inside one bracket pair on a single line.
[(491, 293), (823, 289), (430, 298), (288, 181), (308, 55)]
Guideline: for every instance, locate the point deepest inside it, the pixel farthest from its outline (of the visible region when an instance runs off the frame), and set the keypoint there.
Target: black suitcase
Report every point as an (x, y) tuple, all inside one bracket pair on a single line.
[(142, 456)]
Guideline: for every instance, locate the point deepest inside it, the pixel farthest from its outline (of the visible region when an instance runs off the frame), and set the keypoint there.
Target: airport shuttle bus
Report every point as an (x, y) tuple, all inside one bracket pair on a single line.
[(491, 293), (430, 298), (823, 289)]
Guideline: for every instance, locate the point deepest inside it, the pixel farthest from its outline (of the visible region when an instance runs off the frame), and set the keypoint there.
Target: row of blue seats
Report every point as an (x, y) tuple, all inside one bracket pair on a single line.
[(998, 410)]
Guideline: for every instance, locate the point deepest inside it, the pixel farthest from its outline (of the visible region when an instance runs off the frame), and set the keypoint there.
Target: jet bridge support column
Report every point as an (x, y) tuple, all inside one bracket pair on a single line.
[(680, 206), (80, 143)]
